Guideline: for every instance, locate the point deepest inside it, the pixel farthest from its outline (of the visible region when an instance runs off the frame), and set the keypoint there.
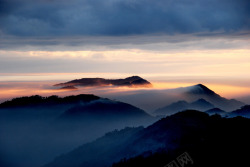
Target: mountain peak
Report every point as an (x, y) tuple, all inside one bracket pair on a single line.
[(201, 100), (201, 86), (201, 89), (134, 77), (215, 111)]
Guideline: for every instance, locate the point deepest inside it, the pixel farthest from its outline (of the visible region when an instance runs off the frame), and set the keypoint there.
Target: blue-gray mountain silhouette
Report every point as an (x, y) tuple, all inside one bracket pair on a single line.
[(216, 111), (103, 106), (201, 91), (173, 108), (243, 111), (102, 113)]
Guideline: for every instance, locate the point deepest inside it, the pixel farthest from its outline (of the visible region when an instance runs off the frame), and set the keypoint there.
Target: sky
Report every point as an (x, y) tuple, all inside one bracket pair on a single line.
[(176, 42)]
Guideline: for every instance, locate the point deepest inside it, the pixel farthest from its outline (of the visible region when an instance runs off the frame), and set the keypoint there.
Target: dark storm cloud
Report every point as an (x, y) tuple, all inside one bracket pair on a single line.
[(122, 17), (66, 19)]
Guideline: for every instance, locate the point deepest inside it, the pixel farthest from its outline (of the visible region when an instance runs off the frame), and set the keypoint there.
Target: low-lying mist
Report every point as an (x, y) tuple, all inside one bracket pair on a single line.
[(32, 135)]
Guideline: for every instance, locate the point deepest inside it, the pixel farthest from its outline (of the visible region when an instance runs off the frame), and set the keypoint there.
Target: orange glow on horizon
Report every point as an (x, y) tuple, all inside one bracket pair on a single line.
[(18, 89), (228, 91)]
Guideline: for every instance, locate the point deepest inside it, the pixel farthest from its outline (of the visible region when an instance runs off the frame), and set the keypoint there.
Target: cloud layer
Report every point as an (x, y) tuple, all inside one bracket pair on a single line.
[(122, 17)]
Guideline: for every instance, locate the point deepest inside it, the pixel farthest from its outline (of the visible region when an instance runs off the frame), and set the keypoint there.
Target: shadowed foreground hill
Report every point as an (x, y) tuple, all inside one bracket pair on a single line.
[(210, 141)]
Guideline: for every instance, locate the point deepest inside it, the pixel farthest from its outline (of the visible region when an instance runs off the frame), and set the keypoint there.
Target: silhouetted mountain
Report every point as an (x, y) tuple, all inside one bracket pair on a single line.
[(106, 107), (210, 141), (201, 105), (134, 81), (243, 111), (173, 108), (151, 99), (40, 101), (216, 111), (43, 127), (201, 91), (106, 113)]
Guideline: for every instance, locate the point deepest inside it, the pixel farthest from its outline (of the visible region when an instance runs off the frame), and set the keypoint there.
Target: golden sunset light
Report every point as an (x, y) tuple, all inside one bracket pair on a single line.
[(124, 83)]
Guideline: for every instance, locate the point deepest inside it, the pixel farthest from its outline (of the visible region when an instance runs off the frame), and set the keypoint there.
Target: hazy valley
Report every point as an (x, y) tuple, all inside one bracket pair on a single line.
[(35, 129)]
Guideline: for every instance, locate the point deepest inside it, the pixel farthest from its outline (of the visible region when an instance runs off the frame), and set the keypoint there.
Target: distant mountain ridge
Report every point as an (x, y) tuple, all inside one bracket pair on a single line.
[(153, 99), (201, 91), (200, 104), (216, 111), (202, 98), (133, 81)]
